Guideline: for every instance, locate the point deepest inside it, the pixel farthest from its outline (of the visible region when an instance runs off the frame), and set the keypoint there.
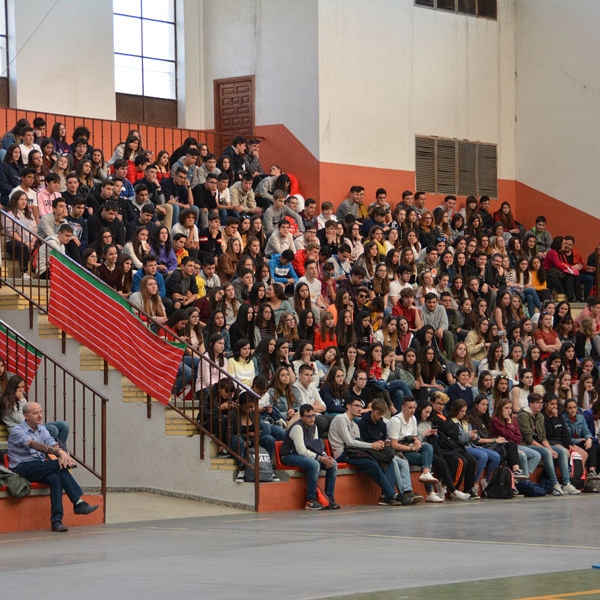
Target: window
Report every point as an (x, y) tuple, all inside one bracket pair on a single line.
[(478, 8), (3, 56), (446, 166), (145, 58)]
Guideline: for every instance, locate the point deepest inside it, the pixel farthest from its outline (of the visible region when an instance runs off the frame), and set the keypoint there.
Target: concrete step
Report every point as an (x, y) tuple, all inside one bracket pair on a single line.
[(89, 361), (177, 425), (47, 330)]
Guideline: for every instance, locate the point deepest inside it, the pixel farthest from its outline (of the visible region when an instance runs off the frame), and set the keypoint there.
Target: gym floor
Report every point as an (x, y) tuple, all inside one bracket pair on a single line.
[(154, 547)]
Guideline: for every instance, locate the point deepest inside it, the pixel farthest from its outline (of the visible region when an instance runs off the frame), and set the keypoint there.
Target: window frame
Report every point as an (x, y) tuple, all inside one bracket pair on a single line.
[(141, 56)]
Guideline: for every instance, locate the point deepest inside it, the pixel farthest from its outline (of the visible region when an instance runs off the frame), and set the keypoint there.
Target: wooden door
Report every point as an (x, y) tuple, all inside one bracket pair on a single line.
[(234, 109)]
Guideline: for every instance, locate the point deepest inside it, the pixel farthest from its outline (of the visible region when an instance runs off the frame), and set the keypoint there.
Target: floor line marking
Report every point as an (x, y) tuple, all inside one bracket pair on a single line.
[(412, 538), (564, 595)]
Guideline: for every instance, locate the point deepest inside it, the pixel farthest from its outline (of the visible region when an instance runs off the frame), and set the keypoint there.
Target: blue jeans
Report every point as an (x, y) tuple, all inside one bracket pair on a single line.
[(312, 468), (563, 463), (59, 430), (185, 376), (401, 474), (423, 458), (548, 462), (529, 459), (486, 459), (49, 472), (588, 281), (266, 440), (398, 390), (276, 431), (370, 467), (531, 298)]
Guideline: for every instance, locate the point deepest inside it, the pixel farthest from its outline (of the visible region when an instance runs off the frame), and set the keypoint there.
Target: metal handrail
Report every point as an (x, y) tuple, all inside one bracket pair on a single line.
[(64, 397), (196, 411)]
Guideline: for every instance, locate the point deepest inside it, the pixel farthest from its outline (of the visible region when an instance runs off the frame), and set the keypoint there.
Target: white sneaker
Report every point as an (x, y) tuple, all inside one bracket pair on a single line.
[(240, 476), (569, 488), (442, 490), (433, 497), (458, 495), (557, 490), (427, 478)]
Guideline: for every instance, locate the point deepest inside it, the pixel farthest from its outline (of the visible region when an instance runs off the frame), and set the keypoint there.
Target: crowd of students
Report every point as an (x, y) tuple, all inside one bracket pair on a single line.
[(372, 300)]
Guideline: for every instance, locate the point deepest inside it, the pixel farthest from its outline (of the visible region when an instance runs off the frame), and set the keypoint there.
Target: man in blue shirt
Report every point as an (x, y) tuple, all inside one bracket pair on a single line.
[(29, 448)]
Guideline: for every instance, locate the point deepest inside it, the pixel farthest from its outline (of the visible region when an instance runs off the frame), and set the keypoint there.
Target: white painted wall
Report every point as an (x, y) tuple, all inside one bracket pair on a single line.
[(63, 57), (413, 72), (558, 99), (276, 41)]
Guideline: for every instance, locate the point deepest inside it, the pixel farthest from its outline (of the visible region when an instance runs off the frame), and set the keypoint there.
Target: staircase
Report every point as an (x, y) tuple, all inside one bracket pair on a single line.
[(150, 447)]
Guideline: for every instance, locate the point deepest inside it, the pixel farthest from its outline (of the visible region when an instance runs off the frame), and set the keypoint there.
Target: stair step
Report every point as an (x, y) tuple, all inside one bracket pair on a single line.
[(89, 361), (175, 424), (48, 331)]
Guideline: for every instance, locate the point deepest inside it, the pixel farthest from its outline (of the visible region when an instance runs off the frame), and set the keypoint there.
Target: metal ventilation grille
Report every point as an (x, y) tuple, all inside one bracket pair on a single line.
[(447, 166), (487, 9), (487, 162), (425, 163), (467, 157), (467, 7)]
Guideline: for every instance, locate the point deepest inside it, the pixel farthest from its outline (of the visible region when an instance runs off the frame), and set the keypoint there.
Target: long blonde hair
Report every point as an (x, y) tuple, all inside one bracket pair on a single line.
[(151, 305)]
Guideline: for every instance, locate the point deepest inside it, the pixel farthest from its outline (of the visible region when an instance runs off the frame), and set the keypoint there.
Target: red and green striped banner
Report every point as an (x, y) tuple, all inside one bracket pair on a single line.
[(99, 318), (19, 356)]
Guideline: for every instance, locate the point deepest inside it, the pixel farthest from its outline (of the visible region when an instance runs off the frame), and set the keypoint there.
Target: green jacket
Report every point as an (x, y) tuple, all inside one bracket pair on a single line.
[(532, 428)]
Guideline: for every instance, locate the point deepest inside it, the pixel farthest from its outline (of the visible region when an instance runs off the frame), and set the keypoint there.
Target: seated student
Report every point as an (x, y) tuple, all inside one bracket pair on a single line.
[(461, 388), (560, 441), (314, 286), (486, 458), (344, 437), (407, 308), (79, 224), (581, 437), (240, 365), (107, 218), (208, 374), (187, 226), (13, 400), (150, 267), (326, 215), (282, 271), (448, 436), (58, 242), (208, 273), (307, 393), (45, 196), (302, 447), (533, 430), (372, 429), (181, 285), (242, 434), (280, 240), (403, 434)]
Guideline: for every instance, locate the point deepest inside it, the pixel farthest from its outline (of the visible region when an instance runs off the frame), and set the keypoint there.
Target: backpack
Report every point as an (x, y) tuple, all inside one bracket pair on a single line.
[(16, 485), (592, 485), (530, 489), (577, 470), (501, 485), (265, 466)]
